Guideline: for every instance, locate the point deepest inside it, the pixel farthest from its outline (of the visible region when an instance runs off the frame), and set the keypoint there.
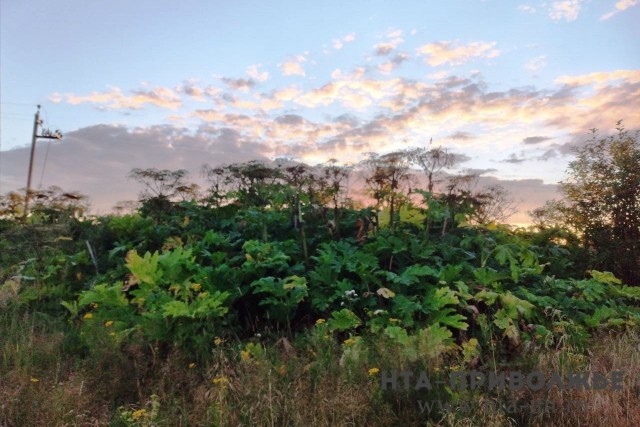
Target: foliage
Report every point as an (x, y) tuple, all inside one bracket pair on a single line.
[(276, 256), (163, 300), (603, 200)]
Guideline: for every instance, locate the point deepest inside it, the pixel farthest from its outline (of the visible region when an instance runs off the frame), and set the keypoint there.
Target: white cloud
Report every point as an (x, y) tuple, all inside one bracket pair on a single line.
[(254, 72), (383, 48), (601, 79), (291, 68), (394, 39), (114, 99), (622, 5), (453, 53), (566, 9), (339, 43), (386, 68), (294, 66)]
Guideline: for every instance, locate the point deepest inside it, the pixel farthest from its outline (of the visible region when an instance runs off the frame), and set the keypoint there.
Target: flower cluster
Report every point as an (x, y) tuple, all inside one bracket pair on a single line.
[(351, 294)]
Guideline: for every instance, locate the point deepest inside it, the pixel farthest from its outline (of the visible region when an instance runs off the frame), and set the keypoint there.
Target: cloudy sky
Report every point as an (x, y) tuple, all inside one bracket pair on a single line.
[(150, 83)]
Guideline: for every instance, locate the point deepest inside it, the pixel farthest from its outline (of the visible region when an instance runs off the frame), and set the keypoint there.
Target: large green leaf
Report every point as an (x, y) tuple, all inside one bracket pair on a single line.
[(344, 320), (145, 270)]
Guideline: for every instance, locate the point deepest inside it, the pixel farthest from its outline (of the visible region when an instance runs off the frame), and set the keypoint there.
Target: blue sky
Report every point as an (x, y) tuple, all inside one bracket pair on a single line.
[(511, 85)]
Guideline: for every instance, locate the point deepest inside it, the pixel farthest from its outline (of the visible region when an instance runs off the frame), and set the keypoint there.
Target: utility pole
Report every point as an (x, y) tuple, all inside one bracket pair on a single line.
[(46, 134)]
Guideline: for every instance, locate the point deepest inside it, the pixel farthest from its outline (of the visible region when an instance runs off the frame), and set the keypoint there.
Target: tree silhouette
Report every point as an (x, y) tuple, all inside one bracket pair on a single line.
[(603, 200)]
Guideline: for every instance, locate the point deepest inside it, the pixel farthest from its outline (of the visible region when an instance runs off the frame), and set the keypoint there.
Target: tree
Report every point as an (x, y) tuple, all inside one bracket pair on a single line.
[(49, 205), (432, 161), (298, 177), (551, 215), (386, 178), (333, 186), (160, 187), (258, 187), (254, 182), (493, 204), (602, 201), (219, 181), (159, 183)]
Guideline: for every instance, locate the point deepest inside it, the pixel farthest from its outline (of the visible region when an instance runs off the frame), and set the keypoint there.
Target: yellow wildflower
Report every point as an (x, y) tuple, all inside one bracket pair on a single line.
[(108, 323), (217, 341), (112, 334), (373, 371), (282, 370), (192, 365), (349, 341), (139, 413), (34, 380), (320, 322), (245, 355), (196, 287), (203, 294), (219, 380), (88, 316)]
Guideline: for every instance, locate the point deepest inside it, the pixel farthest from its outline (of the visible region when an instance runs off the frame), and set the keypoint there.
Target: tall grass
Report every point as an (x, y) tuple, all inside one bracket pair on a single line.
[(48, 377)]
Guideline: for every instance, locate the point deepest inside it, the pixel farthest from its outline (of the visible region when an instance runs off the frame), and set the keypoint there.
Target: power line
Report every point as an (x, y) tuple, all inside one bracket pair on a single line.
[(44, 165)]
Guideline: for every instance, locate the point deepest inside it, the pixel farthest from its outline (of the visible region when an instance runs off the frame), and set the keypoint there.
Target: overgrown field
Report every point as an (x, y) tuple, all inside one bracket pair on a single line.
[(229, 315), (275, 299)]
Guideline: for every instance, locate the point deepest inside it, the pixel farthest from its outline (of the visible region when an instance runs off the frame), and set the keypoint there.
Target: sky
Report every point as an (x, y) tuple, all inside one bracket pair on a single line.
[(511, 87)]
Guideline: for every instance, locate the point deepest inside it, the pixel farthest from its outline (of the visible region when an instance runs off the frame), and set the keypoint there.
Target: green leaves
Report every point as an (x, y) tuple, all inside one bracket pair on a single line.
[(514, 306), (144, 270), (488, 276), (161, 300), (605, 277), (412, 275), (447, 317), (204, 306), (283, 295), (105, 295), (344, 320)]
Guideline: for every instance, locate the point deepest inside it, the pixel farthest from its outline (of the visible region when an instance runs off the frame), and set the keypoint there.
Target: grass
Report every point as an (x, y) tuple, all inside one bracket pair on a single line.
[(49, 377)]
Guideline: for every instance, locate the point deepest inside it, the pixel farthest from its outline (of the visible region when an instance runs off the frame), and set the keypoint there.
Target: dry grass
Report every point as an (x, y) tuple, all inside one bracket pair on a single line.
[(610, 408), (292, 388)]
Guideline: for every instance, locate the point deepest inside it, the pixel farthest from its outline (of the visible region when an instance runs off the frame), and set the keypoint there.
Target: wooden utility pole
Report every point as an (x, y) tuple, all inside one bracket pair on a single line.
[(46, 134)]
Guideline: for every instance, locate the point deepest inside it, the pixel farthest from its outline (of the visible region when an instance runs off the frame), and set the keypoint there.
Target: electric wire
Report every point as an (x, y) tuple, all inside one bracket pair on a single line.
[(44, 165)]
